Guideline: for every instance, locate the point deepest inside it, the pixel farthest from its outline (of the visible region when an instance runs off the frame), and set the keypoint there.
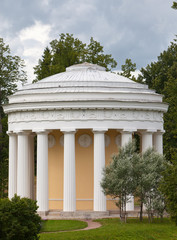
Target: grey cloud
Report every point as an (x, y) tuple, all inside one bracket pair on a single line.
[(138, 29)]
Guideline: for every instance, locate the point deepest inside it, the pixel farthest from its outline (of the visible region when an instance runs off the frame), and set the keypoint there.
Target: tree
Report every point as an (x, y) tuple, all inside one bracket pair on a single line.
[(174, 6), (118, 180), (127, 68), (162, 76), (94, 54), (67, 51), (19, 219), (147, 173), (133, 173), (11, 72), (169, 187)]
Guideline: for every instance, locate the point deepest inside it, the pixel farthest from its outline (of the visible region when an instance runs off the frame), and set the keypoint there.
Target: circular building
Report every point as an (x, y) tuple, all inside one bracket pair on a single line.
[(80, 118)]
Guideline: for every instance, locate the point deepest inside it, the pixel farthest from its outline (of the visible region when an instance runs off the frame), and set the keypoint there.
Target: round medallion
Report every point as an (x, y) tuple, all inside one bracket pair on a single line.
[(62, 140), (118, 140), (85, 140), (107, 140), (51, 141)]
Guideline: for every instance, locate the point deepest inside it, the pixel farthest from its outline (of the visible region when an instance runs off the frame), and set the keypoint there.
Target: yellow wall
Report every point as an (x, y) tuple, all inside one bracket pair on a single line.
[(84, 171), (56, 154)]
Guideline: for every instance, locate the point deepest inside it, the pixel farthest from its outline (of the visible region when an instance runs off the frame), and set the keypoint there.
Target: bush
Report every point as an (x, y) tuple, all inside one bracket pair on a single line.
[(19, 219)]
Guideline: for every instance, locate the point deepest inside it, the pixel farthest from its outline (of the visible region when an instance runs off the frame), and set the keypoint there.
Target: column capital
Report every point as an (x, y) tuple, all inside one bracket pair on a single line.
[(41, 131), (160, 132), (145, 131), (68, 130), (22, 132), (99, 130), (127, 130), (10, 133)]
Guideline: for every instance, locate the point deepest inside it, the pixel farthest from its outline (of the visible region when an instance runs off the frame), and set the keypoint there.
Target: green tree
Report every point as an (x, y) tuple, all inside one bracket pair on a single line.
[(169, 187), (118, 181), (127, 68), (19, 219), (11, 72), (95, 54), (162, 76), (174, 6), (4, 143), (133, 173), (147, 175), (67, 51)]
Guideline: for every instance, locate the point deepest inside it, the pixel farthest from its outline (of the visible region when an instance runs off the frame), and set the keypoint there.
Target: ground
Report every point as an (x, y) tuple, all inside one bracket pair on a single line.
[(113, 229)]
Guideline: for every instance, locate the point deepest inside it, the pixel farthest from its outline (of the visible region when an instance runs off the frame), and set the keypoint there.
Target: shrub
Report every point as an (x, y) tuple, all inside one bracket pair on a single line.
[(19, 219)]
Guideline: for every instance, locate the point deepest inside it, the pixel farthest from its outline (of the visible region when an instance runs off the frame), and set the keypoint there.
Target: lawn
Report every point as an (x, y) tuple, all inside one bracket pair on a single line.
[(113, 229), (62, 225)]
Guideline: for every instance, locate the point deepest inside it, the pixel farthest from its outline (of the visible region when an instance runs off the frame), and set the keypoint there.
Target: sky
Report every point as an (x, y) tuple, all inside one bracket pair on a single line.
[(136, 29)]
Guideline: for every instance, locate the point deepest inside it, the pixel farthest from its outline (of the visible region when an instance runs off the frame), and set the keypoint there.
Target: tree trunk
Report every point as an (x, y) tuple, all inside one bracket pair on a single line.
[(141, 211)]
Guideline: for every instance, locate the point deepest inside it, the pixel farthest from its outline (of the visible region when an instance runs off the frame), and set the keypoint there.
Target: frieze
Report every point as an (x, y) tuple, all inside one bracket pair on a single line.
[(75, 115)]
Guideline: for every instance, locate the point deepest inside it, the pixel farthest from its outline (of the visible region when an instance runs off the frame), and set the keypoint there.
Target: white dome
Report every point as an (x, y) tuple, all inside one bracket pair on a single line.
[(83, 82), (85, 85)]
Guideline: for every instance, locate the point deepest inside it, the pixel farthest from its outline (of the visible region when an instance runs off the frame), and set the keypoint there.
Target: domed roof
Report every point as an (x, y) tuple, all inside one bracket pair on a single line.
[(83, 84)]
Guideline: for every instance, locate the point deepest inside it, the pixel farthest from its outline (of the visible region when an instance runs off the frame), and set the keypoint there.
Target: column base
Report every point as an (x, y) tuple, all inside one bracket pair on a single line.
[(42, 214)]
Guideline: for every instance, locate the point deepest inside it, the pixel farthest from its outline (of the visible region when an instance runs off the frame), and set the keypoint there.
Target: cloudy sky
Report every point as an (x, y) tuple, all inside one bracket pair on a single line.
[(136, 29)]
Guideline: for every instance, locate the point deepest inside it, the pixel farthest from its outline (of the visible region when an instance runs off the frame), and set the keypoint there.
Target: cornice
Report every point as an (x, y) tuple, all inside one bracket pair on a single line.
[(69, 105)]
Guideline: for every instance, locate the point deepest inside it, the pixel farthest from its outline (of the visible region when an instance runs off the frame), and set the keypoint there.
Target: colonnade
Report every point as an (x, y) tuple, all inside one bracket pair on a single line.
[(21, 165)]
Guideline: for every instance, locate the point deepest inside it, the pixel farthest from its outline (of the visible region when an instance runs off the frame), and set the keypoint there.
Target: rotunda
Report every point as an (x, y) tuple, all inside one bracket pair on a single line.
[(80, 117)]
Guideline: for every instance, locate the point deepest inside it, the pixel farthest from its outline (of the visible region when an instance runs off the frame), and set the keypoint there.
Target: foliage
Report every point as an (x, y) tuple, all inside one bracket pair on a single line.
[(67, 51), (169, 187), (4, 143), (113, 229), (18, 219), (147, 175), (162, 76), (174, 6), (155, 204), (118, 181), (127, 68), (133, 173), (11, 72)]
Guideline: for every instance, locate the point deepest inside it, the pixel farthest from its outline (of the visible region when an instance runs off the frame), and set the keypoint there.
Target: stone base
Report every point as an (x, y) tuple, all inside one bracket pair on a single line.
[(43, 214), (77, 214)]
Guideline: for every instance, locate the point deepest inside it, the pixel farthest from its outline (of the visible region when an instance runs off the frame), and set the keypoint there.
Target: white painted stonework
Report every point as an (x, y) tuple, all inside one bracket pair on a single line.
[(83, 97)]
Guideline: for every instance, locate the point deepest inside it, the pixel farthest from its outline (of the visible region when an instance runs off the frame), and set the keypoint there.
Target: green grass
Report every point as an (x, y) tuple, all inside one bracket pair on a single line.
[(113, 229), (62, 225)]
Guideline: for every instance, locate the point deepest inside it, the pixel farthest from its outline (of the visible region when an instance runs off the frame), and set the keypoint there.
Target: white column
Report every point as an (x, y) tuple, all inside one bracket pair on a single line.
[(12, 183), (31, 165), (69, 204), (126, 136), (42, 171), (158, 142), (99, 164), (146, 140), (23, 181)]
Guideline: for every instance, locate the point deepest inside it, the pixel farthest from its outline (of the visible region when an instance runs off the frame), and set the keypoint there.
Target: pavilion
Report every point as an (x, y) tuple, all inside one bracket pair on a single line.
[(80, 118)]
